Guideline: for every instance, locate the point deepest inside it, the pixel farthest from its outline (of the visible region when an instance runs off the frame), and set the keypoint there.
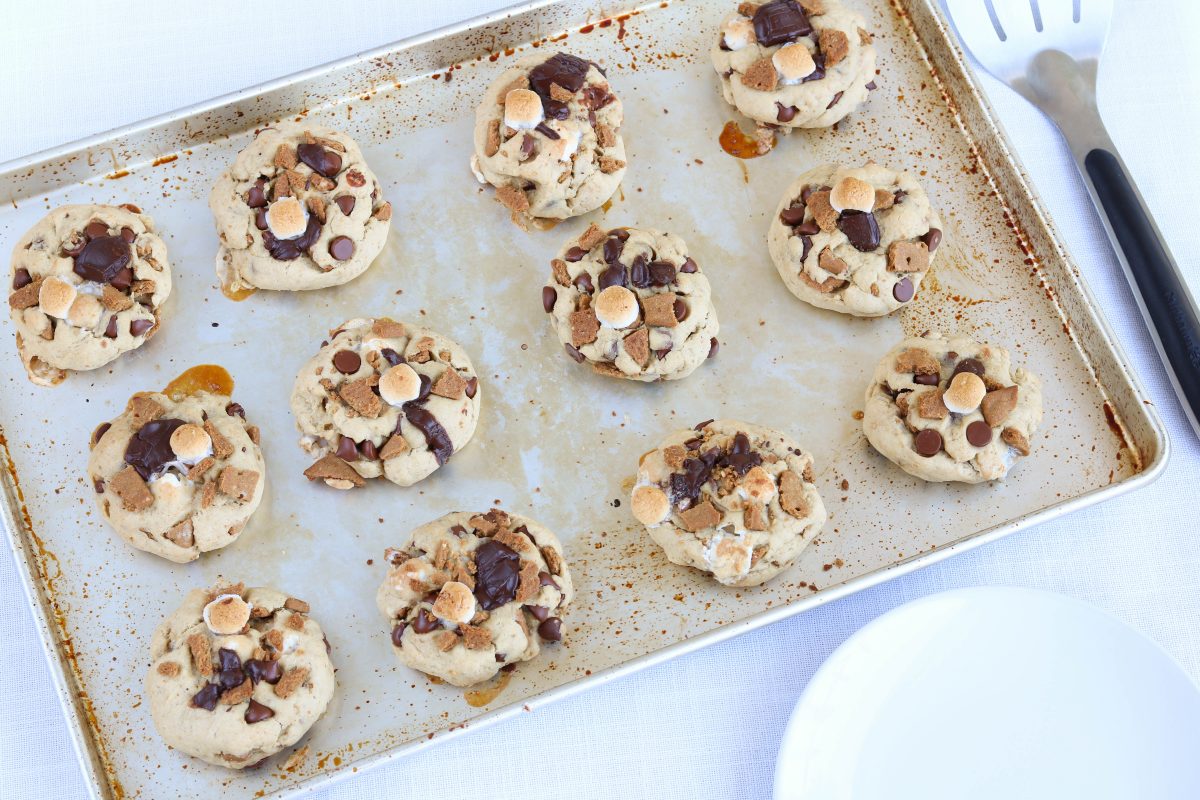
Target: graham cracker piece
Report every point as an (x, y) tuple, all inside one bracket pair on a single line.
[(559, 269), (834, 46), (395, 446), (822, 211), (512, 198), (637, 344), (1015, 439), (222, 447), (755, 517), (791, 495), (274, 638), (285, 157), (831, 263), (292, 680), (449, 385), (181, 533), (296, 604), (608, 164), (529, 583), (27, 296), (593, 236), (560, 94), (883, 200), (761, 76), (359, 395), (701, 516), (475, 638), (143, 409), (208, 494), (518, 542), (907, 257), (333, 468), (659, 310), (918, 362), (129, 486), (824, 287), (445, 641), (998, 404), (237, 483), (605, 136), (553, 560), (238, 694), (196, 472), (169, 669), (674, 456), (295, 621), (584, 326), (114, 299), (492, 145), (201, 654), (931, 406)]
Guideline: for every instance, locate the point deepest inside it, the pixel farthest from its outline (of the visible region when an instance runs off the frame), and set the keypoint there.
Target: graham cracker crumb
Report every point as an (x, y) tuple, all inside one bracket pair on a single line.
[(201, 654)]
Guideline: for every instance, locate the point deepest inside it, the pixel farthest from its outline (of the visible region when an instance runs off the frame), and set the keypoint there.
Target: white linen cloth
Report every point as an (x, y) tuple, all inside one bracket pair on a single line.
[(706, 725)]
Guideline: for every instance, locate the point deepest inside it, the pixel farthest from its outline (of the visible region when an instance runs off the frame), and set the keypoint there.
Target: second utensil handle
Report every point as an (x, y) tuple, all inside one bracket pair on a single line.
[(1170, 311)]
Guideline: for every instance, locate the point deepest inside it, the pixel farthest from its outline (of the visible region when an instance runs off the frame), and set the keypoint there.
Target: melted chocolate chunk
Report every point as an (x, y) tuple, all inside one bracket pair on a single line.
[(927, 380), (785, 113), (613, 276), (472, 387), (662, 273), (861, 229), (256, 711), (620, 233), (545, 130), (102, 258), (780, 21), (688, 266), (95, 229), (806, 245), (398, 634), (567, 71), (818, 73), (257, 196), (497, 574), (424, 622), (268, 671), (713, 347), (150, 448), (140, 327), (539, 612), (574, 353), (435, 435), (613, 247), (575, 254), (391, 356), (207, 697), (291, 249), (346, 449), (367, 450), (639, 273), (123, 279), (230, 674), (346, 203), (549, 298), (551, 629), (596, 97), (741, 457), (969, 365), (584, 283), (322, 160), (792, 215)]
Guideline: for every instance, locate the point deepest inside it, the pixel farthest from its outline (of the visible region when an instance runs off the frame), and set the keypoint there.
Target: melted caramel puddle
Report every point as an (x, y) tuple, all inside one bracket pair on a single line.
[(200, 378), (488, 691), (236, 295), (735, 142), (607, 205), (543, 223)]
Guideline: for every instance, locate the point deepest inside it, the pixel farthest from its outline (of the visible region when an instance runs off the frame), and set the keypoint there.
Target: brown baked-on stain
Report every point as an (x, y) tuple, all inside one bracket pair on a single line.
[(487, 692), (112, 176), (200, 378), (158, 162), (735, 142), (44, 561)]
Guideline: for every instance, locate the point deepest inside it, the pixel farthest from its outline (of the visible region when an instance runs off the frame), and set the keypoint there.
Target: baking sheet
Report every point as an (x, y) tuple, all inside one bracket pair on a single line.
[(554, 441)]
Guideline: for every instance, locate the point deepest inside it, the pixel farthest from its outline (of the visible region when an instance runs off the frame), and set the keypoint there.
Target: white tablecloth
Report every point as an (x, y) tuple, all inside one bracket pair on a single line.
[(706, 725)]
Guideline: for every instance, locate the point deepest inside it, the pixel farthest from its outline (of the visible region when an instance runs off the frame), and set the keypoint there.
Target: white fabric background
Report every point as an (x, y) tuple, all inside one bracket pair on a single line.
[(706, 725)]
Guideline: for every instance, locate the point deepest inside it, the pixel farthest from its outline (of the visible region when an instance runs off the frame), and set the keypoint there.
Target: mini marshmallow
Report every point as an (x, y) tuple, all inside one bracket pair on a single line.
[(852, 194), (56, 297), (191, 443), (794, 63), (85, 311), (567, 144), (522, 110), (650, 505), (758, 485), (616, 307), (399, 385), (227, 614), (287, 218), (738, 32), (455, 602), (965, 393)]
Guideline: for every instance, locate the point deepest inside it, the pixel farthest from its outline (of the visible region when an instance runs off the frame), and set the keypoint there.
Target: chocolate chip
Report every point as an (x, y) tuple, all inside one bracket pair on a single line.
[(979, 433), (741, 457), (574, 353), (128, 235), (368, 450), (260, 219), (780, 21), (970, 365), (472, 387), (903, 290), (810, 228), (926, 380), (230, 674), (21, 278), (871, 86), (149, 450), (662, 273), (346, 449), (423, 389), (688, 266), (264, 671), (436, 437), (235, 410), (347, 362), (792, 215), (681, 309), (256, 711), (528, 146), (98, 434), (539, 612), (346, 203), (207, 697), (323, 161), (547, 131), (549, 298), (110, 330), (785, 113), (546, 579), (834, 101), (497, 574), (928, 442), (341, 248), (620, 233), (861, 229), (123, 279), (613, 276), (391, 356), (95, 229), (424, 622), (291, 249), (818, 73), (639, 272), (551, 629), (805, 193), (584, 283), (613, 246), (140, 326), (806, 246), (713, 347), (932, 238), (257, 196), (575, 254), (102, 258), (398, 634)]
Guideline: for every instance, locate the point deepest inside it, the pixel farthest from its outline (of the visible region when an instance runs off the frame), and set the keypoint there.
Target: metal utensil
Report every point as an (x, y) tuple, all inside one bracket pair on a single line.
[(1048, 50)]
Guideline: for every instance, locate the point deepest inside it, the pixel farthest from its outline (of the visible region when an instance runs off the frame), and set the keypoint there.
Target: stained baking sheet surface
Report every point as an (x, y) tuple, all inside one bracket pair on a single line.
[(554, 441)]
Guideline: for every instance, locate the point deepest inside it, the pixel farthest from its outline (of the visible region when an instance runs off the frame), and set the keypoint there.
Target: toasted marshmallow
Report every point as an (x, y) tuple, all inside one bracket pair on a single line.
[(965, 393), (85, 311), (226, 614), (522, 110), (56, 296), (191, 443), (616, 307), (758, 485), (650, 505), (794, 63), (413, 575), (727, 556), (567, 144), (287, 218), (737, 33), (852, 194), (399, 385), (455, 603)]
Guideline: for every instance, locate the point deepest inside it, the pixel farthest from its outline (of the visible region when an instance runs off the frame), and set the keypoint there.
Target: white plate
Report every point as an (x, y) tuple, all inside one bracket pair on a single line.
[(994, 693)]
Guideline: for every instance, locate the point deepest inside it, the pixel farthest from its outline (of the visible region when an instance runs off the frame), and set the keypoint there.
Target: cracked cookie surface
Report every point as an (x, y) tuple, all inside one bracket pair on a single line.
[(788, 64), (238, 674), (952, 409), (473, 593), (731, 499), (547, 137), (298, 209), (177, 477), (632, 303), (384, 398), (87, 284), (858, 240)]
